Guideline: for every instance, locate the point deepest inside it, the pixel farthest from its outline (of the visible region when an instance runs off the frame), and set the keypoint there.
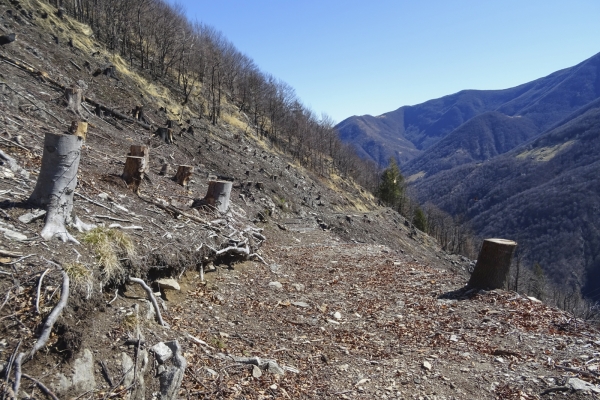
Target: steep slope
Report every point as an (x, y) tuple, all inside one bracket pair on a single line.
[(544, 193), (544, 102)]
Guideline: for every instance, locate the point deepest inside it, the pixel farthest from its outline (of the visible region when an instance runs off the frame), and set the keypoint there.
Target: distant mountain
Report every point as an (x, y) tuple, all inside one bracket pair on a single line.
[(410, 131)]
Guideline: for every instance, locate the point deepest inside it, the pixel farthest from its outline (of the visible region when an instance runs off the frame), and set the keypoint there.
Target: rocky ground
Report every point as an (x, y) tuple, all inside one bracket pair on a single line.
[(343, 300)]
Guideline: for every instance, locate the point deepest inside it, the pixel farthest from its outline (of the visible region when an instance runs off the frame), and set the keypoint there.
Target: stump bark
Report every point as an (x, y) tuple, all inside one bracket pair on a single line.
[(56, 185), (166, 134), (140, 151), (134, 170), (165, 170), (73, 95), (218, 194), (493, 264), (184, 172)]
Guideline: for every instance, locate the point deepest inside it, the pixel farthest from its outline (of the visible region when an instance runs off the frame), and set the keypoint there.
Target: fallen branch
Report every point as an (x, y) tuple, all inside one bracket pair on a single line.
[(578, 371), (47, 328), (6, 298), (37, 298), (17, 382), (177, 211), (555, 389), (259, 257), (42, 387), (13, 166), (10, 253), (152, 299)]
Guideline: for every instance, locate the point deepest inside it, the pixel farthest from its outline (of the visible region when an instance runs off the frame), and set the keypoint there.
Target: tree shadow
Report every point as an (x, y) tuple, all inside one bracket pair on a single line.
[(463, 293)]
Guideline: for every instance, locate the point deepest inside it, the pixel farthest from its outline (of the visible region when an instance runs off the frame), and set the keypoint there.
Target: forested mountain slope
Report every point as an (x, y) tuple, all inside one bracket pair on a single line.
[(545, 194)]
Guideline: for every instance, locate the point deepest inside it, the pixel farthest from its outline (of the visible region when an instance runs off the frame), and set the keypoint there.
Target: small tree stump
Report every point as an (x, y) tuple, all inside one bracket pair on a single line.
[(218, 194), (133, 173), (166, 134), (56, 183), (73, 95), (165, 170), (79, 128), (184, 172), (6, 39), (493, 264)]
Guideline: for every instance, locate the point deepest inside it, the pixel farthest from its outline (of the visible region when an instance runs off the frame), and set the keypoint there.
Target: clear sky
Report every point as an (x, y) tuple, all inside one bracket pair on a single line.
[(354, 57)]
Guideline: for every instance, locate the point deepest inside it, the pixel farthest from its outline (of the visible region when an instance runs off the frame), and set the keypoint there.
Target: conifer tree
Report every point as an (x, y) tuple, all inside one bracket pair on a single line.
[(391, 185)]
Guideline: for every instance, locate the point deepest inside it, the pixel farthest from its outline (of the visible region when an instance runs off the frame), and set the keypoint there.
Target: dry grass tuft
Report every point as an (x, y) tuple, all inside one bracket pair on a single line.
[(109, 245), (80, 276)]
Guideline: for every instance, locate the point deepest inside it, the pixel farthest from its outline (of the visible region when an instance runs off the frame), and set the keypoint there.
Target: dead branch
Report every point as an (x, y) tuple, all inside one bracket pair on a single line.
[(42, 387), (10, 253), (54, 314), (5, 299), (12, 165), (152, 299), (17, 382), (37, 298)]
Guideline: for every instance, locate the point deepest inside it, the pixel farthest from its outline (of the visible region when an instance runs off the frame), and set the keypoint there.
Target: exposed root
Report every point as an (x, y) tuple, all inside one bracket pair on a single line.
[(152, 299), (39, 288), (42, 387), (49, 323)]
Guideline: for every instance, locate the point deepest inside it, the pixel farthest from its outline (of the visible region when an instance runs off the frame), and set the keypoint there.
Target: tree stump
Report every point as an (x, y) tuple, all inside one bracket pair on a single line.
[(133, 173), (166, 134), (493, 264), (6, 39), (79, 128), (165, 169), (184, 172), (56, 183), (141, 151), (73, 95), (218, 194)]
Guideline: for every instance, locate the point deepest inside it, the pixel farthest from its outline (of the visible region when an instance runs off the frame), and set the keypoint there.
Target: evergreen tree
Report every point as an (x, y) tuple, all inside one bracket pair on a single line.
[(419, 220), (391, 186)]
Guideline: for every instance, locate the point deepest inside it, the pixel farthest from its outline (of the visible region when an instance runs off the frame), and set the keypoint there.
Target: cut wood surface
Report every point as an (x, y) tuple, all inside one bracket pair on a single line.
[(79, 128), (493, 264)]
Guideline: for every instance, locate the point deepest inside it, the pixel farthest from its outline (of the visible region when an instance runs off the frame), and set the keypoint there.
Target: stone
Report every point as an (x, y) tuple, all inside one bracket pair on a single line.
[(83, 378), (127, 364), (168, 283), (427, 365), (256, 372), (300, 304), (275, 285), (170, 379), (151, 312), (32, 216), (337, 315), (13, 235), (162, 352), (580, 385), (298, 286)]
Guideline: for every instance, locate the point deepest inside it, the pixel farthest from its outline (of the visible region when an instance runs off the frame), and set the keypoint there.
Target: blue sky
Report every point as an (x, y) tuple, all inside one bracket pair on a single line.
[(353, 57)]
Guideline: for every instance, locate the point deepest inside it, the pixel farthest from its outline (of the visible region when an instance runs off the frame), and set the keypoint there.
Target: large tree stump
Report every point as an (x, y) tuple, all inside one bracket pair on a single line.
[(56, 184), (134, 170), (73, 95), (493, 264), (218, 194), (140, 151), (184, 172)]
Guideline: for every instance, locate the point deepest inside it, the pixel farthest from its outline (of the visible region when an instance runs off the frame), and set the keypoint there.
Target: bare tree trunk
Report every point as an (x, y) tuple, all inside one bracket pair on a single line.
[(56, 184), (140, 151), (218, 194), (184, 172), (493, 264)]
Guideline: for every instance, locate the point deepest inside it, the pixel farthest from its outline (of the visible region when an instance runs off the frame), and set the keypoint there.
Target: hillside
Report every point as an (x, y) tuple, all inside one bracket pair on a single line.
[(410, 131), (334, 296), (543, 193)]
